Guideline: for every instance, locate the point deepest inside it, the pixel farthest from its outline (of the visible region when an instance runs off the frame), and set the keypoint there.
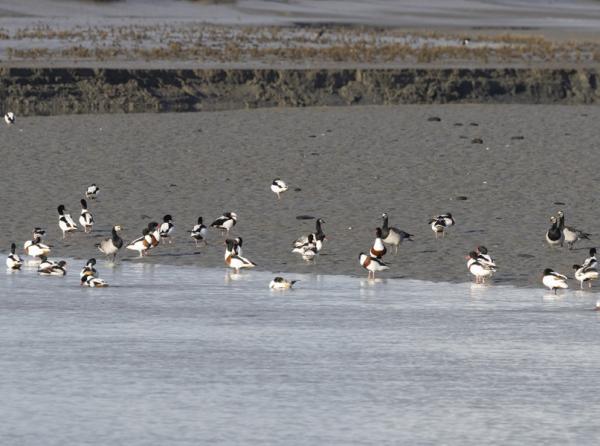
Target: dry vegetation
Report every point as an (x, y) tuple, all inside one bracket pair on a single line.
[(204, 43)]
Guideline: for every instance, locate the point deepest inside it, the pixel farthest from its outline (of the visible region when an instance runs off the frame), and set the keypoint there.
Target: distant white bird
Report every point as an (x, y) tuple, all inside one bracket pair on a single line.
[(393, 236), (554, 235), (48, 268), (478, 268), (585, 274), (279, 283), (378, 249), (92, 191), (199, 232), (167, 228), (110, 246), (225, 222), (278, 187), (65, 222), (233, 260), (553, 280), (371, 264), (86, 220), (13, 261), (570, 233), (10, 118), (440, 223)]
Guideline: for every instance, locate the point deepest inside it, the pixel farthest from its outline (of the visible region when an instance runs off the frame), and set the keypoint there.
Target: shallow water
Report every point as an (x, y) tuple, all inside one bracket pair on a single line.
[(186, 355)]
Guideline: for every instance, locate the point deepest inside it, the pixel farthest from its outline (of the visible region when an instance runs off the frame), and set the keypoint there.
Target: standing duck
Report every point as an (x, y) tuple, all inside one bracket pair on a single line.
[(225, 222), (92, 191), (141, 244), (553, 280), (111, 246), (570, 234), (199, 232), (371, 264), (440, 223), (65, 222), (167, 228), (393, 236), (478, 268), (585, 274), (278, 187), (13, 261), (86, 219)]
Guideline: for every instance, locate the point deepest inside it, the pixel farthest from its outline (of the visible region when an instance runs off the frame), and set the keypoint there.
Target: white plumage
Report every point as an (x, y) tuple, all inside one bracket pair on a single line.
[(553, 280), (278, 187)]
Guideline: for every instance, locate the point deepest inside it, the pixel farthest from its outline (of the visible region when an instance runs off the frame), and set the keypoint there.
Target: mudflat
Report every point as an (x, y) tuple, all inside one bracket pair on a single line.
[(346, 165)]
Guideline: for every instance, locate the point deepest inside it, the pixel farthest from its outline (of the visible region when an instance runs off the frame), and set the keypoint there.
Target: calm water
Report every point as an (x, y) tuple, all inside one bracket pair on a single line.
[(182, 355)]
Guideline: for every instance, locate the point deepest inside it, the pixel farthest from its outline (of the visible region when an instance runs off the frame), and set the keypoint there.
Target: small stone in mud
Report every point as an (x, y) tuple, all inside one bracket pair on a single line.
[(559, 203), (305, 217), (477, 141), (297, 189), (517, 137), (434, 119), (172, 185), (315, 153), (461, 198), (473, 124)]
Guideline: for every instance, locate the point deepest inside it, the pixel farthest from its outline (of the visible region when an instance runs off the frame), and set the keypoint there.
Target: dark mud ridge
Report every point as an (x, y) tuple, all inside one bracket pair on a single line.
[(46, 91)]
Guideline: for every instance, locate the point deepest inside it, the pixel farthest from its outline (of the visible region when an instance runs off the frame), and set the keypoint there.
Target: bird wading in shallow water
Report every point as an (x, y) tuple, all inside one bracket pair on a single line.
[(225, 222), (92, 191), (553, 280), (585, 274), (65, 221), (278, 187), (478, 268), (440, 223), (110, 246), (199, 232), (371, 264)]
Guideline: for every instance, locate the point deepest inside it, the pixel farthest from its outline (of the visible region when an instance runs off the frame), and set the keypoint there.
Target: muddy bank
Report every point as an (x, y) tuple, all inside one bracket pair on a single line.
[(50, 91)]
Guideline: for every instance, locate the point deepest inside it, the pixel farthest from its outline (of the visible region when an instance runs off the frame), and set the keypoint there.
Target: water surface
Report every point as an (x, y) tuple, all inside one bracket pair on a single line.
[(186, 355)]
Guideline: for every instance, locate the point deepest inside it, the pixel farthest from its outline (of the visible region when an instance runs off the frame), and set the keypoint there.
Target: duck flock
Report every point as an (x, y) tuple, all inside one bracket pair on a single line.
[(479, 262)]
